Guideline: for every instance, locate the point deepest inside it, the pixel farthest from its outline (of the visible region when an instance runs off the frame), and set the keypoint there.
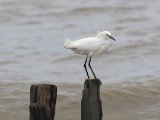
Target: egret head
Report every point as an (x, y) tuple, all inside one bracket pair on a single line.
[(105, 35)]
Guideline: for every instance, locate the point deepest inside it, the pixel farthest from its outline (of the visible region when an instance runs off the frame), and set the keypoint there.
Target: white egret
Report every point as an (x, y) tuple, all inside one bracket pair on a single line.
[(90, 46)]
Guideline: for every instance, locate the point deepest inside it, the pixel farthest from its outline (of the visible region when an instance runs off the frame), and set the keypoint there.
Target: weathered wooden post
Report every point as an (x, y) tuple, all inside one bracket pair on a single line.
[(91, 108), (42, 102)]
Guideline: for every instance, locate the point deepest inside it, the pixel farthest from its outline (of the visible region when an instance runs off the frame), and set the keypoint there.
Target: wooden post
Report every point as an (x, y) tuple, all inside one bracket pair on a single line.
[(42, 102), (91, 108)]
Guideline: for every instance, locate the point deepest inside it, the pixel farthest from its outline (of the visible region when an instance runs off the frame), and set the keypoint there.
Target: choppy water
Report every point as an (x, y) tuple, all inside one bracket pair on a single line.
[(32, 34)]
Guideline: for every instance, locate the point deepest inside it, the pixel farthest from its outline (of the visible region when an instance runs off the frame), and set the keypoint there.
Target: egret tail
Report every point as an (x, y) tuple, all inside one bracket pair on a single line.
[(67, 44)]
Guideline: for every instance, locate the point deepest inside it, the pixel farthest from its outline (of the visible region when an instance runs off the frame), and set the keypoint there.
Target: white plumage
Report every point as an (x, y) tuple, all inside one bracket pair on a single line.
[(90, 46)]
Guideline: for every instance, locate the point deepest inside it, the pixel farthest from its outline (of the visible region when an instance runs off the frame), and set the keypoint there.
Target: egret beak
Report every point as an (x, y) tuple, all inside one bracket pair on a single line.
[(112, 38)]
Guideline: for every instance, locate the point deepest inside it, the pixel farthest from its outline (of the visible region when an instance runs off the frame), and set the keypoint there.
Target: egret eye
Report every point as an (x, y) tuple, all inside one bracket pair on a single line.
[(107, 35)]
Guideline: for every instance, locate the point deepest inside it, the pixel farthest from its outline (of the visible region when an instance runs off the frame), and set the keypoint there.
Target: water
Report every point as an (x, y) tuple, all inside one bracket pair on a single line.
[(32, 34)]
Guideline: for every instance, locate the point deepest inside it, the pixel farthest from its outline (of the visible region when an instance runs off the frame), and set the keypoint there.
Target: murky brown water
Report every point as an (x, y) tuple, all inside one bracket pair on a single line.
[(122, 101), (32, 34)]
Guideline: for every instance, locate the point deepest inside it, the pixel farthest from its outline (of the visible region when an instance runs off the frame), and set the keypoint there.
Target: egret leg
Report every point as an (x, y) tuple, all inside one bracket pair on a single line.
[(86, 67), (89, 64)]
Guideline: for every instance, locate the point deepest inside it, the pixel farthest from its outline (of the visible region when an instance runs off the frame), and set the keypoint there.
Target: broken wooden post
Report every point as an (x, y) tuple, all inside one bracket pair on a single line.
[(91, 108), (42, 102)]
